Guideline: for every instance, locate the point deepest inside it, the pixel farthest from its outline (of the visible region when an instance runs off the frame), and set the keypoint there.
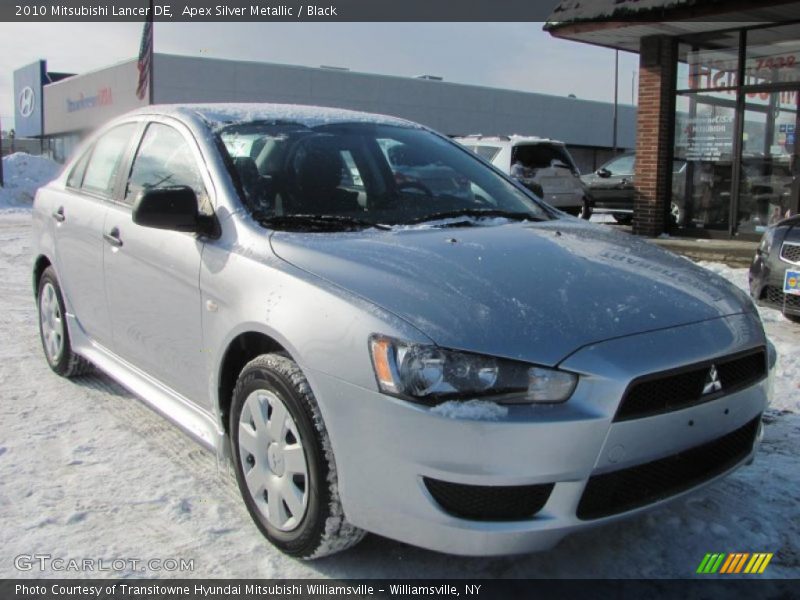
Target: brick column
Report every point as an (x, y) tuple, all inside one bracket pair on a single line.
[(654, 134)]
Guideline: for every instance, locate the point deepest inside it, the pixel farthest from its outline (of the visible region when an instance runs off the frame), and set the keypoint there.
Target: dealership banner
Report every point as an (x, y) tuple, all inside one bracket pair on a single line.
[(382, 589)]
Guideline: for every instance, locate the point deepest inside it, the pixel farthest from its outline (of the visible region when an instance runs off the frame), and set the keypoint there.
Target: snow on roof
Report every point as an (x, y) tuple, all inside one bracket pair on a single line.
[(514, 138), (227, 113), (572, 11)]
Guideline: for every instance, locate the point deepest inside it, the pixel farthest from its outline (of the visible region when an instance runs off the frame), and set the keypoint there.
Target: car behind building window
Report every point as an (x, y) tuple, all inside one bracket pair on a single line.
[(104, 163), (624, 165), (165, 159)]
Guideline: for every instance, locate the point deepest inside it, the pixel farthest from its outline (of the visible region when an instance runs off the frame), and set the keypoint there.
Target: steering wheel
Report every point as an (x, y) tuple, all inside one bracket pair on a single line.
[(415, 185)]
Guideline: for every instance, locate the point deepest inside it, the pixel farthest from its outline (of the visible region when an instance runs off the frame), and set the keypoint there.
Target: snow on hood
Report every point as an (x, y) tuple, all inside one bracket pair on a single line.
[(528, 291), (23, 174)]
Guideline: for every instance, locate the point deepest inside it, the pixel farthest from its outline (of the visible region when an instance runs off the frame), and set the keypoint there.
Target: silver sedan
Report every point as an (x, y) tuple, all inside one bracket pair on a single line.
[(471, 372)]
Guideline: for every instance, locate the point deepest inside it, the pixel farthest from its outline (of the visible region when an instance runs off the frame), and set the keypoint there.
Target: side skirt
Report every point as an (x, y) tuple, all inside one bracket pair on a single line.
[(196, 422)]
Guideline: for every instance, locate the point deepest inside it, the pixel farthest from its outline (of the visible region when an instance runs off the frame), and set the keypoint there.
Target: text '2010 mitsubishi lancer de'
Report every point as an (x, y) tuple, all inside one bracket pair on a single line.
[(433, 355)]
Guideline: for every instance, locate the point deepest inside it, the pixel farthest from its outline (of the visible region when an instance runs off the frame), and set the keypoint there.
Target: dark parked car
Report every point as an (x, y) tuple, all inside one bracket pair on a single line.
[(775, 272), (611, 187)]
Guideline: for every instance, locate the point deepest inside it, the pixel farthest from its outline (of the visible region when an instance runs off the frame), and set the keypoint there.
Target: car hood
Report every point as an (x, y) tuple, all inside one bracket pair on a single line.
[(527, 291)]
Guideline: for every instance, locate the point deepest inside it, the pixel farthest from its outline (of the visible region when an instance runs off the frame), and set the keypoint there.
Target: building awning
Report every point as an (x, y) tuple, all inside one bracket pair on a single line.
[(621, 24)]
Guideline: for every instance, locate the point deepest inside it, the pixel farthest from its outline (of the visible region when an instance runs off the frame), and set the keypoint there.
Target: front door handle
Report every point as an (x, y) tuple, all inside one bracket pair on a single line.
[(112, 237), (58, 215)]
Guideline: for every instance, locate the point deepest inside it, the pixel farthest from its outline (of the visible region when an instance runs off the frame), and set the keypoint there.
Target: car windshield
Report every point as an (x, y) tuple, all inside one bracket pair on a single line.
[(364, 174)]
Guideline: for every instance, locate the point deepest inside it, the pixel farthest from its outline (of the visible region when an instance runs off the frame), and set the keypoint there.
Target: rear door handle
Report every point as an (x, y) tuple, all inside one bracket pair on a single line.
[(58, 215), (112, 237)]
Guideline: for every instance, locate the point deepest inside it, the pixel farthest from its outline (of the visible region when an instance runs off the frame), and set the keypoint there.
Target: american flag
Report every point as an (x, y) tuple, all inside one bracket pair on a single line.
[(145, 63)]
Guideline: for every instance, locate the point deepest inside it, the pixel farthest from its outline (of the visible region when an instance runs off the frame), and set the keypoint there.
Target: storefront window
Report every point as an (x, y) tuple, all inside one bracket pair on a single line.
[(702, 177), (769, 160), (715, 144), (773, 55), (709, 63)]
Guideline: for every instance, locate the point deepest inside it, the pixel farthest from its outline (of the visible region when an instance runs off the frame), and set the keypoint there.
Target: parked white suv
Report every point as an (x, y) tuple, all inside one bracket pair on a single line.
[(542, 165)]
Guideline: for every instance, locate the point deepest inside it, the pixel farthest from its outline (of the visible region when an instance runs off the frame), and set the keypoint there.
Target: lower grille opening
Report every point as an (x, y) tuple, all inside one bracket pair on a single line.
[(626, 489), (489, 503), (772, 294)]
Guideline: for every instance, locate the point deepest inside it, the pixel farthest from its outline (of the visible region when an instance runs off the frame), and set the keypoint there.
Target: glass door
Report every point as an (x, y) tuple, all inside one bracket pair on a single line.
[(769, 167)]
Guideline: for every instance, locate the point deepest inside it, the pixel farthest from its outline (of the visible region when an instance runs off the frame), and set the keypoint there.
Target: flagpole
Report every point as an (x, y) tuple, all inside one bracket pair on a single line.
[(152, 54)]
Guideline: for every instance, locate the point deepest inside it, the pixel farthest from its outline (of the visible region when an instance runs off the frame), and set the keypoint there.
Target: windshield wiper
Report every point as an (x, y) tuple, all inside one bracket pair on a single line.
[(478, 213), (317, 223)]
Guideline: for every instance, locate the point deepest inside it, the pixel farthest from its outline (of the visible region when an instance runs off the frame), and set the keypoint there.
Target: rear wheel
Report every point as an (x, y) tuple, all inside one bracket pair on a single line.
[(284, 462), (623, 218), (53, 329), (793, 318)]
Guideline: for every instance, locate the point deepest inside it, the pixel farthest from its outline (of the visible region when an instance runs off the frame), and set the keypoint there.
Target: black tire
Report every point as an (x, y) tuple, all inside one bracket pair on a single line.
[(323, 529), (623, 218), (792, 318), (586, 211), (67, 363)]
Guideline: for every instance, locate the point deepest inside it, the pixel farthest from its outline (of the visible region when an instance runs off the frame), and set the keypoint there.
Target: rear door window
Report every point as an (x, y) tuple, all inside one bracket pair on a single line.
[(76, 175), (103, 167)]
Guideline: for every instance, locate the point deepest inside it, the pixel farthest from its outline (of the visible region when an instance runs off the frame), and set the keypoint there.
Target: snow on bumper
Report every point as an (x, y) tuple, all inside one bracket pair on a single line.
[(385, 448)]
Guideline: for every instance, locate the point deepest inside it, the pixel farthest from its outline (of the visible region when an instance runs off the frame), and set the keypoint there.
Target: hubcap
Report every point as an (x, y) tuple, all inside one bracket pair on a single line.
[(52, 323), (273, 460)]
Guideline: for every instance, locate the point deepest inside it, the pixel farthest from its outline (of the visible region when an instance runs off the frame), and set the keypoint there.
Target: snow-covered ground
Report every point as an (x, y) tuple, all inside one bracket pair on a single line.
[(23, 174), (87, 471)]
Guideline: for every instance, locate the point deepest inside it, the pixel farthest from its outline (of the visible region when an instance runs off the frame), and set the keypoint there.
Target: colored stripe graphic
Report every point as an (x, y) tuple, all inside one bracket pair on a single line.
[(710, 563), (734, 562)]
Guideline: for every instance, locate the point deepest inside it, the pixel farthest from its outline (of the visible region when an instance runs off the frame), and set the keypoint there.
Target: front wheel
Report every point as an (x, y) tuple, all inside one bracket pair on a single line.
[(284, 461)]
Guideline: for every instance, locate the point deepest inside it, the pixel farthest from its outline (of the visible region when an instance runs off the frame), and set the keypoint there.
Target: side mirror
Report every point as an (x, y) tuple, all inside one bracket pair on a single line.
[(603, 172), (173, 208)]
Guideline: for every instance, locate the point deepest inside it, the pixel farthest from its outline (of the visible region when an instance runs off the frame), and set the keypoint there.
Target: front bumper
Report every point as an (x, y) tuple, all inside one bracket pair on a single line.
[(766, 282), (385, 447)]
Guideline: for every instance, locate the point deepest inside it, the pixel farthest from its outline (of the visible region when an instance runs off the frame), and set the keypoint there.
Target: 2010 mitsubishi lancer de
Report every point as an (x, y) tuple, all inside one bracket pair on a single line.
[(455, 365)]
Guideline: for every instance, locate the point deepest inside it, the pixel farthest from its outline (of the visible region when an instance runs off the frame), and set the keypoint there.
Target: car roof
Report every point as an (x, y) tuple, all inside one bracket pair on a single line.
[(222, 114)]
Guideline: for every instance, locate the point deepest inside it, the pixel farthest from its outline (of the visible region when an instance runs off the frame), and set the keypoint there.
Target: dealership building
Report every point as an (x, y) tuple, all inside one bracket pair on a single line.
[(716, 154), (59, 109)]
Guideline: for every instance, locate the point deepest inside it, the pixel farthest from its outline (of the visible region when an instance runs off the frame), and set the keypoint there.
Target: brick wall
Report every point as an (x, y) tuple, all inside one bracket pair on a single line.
[(654, 134)]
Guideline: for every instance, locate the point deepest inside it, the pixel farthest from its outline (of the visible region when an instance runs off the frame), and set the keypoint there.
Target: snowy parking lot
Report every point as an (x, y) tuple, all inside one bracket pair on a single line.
[(87, 471)]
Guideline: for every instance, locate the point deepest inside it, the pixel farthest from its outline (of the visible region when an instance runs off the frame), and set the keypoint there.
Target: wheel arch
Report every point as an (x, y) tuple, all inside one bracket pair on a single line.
[(243, 348), (39, 265)]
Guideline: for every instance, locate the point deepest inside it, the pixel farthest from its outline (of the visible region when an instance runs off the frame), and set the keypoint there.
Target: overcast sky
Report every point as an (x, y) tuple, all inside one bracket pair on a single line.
[(517, 56)]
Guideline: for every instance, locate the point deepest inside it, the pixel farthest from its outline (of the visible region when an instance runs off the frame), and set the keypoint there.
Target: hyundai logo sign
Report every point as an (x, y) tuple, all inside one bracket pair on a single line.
[(27, 102)]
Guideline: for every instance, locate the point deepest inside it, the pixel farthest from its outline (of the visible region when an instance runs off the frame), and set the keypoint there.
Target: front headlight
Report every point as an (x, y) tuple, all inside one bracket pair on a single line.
[(428, 374)]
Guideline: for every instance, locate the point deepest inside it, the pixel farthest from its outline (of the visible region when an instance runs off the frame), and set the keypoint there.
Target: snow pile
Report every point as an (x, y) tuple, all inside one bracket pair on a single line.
[(472, 410), (23, 174)]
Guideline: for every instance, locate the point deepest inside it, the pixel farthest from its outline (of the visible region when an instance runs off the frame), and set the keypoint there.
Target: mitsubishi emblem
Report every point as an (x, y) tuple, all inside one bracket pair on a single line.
[(713, 384)]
